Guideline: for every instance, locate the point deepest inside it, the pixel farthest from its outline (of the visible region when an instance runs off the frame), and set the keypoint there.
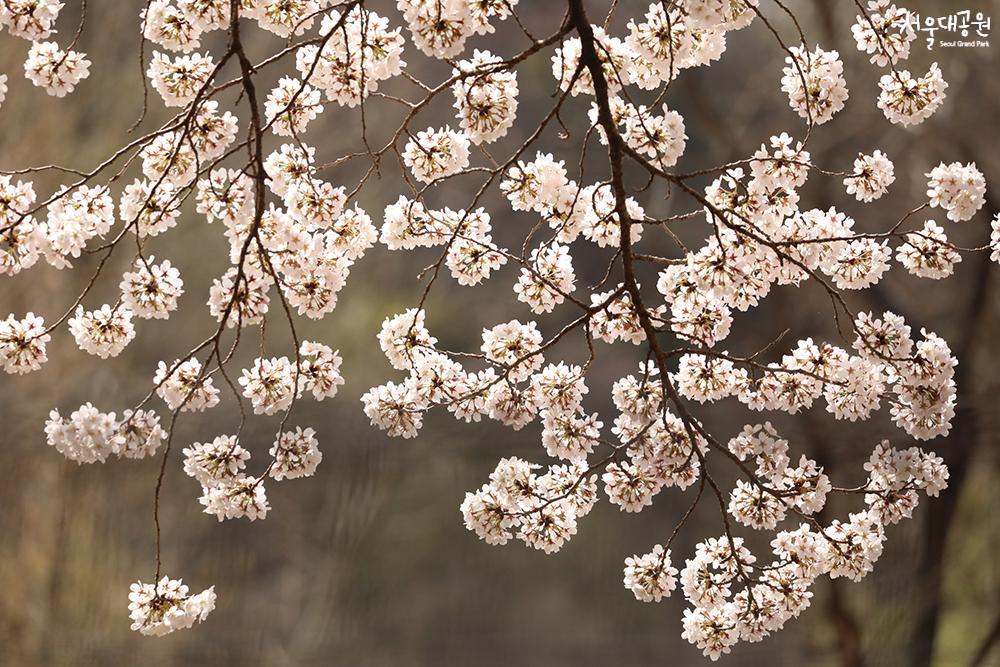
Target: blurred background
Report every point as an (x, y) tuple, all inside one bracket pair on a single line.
[(368, 563)]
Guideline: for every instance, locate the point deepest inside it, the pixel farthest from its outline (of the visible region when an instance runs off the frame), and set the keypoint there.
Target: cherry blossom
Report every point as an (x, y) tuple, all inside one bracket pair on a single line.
[(571, 215)]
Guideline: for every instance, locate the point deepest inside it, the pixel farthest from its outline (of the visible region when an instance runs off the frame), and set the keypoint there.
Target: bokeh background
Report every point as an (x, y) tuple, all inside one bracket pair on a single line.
[(368, 563)]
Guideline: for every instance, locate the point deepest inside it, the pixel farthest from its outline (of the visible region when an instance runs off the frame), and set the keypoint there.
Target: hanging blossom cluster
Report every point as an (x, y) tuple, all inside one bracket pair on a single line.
[(47, 65), (293, 237), (294, 233), (761, 237), (161, 608), (883, 31)]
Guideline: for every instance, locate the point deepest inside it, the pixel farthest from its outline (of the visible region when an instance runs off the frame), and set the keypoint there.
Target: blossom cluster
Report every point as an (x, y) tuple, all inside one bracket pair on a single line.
[(761, 238), (166, 606), (293, 237), (90, 436), (883, 31)]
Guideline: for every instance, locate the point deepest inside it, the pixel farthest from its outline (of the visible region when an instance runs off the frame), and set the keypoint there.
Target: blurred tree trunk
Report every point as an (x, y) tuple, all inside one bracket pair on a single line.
[(986, 647), (846, 627)]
